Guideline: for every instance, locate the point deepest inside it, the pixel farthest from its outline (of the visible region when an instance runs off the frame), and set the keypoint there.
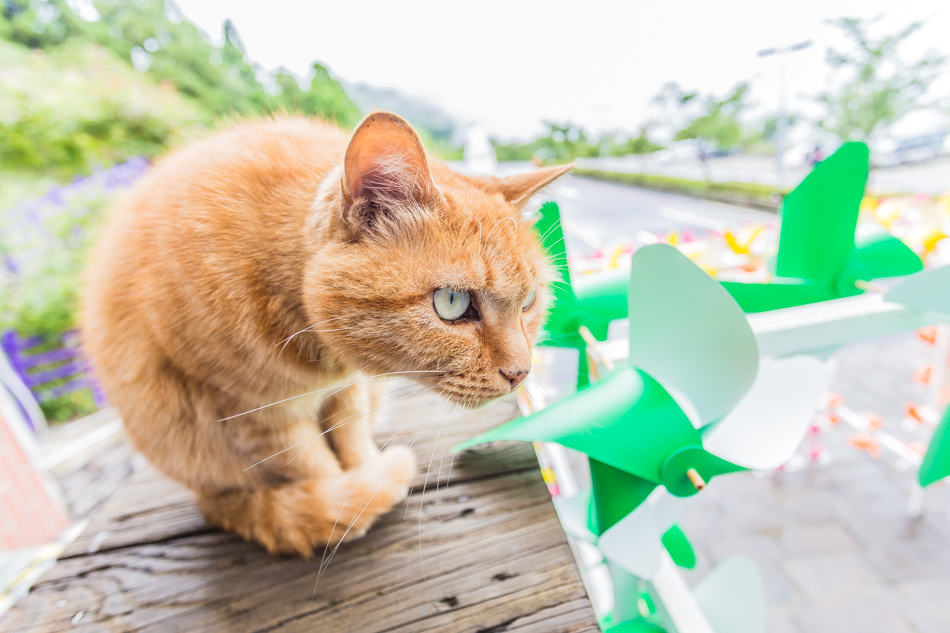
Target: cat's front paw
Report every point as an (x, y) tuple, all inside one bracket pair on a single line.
[(395, 467)]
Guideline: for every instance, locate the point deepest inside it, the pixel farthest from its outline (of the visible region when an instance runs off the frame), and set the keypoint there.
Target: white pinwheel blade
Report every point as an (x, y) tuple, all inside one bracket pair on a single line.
[(573, 512), (768, 424), (732, 598), (688, 332), (926, 290), (667, 508), (633, 543)]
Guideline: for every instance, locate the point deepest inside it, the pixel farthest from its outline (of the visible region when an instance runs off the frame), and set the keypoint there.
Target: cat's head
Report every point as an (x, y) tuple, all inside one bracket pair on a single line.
[(421, 269)]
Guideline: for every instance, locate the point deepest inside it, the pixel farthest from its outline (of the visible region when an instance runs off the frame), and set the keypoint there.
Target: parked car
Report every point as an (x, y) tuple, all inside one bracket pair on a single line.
[(679, 150), (916, 149)]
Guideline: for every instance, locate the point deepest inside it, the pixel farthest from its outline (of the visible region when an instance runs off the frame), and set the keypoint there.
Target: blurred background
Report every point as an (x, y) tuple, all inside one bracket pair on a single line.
[(729, 92), (732, 101)]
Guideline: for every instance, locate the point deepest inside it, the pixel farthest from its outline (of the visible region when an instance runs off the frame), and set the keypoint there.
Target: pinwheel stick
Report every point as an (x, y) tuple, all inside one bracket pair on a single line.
[(594, 350), (695, 478), (870, 286)]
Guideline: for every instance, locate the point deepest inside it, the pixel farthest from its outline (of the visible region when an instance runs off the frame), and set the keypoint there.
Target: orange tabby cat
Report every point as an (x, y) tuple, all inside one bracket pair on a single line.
[(277, 259)]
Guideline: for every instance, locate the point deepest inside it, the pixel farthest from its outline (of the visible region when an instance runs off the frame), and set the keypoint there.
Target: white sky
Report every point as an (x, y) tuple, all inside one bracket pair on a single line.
[(508, 64)]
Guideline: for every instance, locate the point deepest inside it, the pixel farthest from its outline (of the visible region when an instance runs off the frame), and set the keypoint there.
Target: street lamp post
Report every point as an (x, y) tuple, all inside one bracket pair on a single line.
[(780, 122)]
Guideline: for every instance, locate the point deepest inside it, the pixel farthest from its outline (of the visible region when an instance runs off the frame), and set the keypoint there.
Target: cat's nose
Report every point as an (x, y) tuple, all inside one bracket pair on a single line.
[(514, 376)]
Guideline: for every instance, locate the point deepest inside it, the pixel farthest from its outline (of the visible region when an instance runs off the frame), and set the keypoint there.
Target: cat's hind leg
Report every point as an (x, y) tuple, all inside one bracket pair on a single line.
[(297, 516)]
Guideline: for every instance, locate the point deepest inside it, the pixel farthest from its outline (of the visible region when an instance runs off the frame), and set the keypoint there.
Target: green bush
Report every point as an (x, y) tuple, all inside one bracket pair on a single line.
[(755, 194), (78, 107)]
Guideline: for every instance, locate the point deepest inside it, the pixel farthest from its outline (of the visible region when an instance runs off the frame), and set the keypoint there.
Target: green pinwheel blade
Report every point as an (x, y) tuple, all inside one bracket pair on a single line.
[(927, 290), (593, 300), (626, 420), (876, 254), (936, 464), (602, 298), (615, 494), (633, 626), (688, 332), (820, 216), (563, 316), (778, 293)]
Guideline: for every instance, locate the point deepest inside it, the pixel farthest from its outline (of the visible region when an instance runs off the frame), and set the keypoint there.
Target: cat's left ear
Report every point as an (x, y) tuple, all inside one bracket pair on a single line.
[(386, 179), (518, 189)]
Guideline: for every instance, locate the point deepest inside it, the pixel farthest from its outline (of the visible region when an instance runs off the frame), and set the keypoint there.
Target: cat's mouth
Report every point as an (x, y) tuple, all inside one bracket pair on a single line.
[(471, 396)]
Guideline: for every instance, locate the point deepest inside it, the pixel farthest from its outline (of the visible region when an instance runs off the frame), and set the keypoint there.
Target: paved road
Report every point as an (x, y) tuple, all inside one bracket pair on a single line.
[(836, 550), (612, 213)]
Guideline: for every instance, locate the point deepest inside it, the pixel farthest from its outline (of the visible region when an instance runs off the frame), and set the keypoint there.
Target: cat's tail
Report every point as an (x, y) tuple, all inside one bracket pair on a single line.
[(296, 517)]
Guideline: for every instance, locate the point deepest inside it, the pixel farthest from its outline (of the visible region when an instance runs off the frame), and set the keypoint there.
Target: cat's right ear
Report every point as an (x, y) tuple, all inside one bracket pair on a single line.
[(386, 180)]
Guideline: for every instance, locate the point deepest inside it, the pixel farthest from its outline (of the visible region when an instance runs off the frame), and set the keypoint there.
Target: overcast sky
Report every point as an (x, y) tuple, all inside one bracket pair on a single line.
[(508, 64)]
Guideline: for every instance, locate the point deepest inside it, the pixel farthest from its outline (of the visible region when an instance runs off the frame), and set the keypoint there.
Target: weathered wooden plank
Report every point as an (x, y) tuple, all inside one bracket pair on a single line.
[(494, 556), (151, 508)]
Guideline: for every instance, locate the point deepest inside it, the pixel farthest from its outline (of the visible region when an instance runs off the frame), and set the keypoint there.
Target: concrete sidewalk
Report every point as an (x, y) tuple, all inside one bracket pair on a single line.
[(837, 550)]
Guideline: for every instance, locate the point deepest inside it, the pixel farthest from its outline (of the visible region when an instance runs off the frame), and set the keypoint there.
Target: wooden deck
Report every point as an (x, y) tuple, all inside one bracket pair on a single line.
[(484, 553)]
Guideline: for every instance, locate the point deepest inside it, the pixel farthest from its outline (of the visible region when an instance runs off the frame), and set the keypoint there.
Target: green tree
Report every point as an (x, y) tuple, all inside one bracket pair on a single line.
[(640, 144), (153, 36), (879, 87), (719, 122)]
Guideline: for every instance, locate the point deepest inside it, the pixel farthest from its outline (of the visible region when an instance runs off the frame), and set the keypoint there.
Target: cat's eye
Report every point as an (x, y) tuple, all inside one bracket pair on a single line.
[(529, 300), (451, 304)]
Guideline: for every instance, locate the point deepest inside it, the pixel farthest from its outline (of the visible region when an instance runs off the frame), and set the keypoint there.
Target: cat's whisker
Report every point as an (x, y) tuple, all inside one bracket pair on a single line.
[(556, 243), (458, 430), (415, 436), (504, 219), (325, 561), (550, 230), (324, 432), (422, 497), (458, 433), (310, 393), (358, 415), (287, 340)]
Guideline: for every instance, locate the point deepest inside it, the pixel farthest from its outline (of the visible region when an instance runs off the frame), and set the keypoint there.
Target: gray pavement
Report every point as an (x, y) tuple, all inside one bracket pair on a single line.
[(835, 547), (616, 213)]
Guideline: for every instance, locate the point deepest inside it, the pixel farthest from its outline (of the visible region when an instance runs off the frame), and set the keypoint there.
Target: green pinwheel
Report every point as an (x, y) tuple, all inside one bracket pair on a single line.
[(592, 301), (690, 404), (820, 256)]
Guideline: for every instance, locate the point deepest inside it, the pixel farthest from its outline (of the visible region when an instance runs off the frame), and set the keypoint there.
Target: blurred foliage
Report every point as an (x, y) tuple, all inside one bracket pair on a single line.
[(719, 121), (562, 142), (43, 244), (73, 405), (154, 37), (880, 88), (692, 115), (640, 144), (41, 299), (770, 125), (77, 107)]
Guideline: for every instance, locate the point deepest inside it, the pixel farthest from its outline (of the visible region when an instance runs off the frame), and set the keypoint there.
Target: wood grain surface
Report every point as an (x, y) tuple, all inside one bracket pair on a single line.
[(479, 550)]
